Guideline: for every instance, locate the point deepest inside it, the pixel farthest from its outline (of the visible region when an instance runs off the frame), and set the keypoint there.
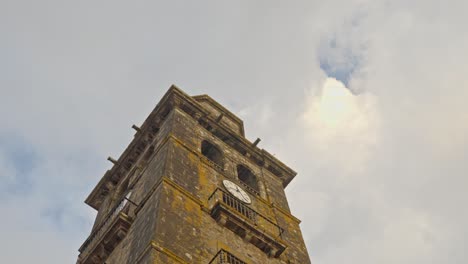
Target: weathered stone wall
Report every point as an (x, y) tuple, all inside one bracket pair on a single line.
[(275, 190), (146, 192), (103, 211), (141, 233), (292, 236), (172, 183), (188, 230), (227, 121)]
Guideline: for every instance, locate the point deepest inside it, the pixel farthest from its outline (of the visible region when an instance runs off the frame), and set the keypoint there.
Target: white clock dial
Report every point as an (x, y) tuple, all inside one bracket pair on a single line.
[(237, 191)]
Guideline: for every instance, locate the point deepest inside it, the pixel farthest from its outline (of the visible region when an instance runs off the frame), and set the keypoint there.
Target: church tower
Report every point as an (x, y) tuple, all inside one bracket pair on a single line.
[(190, 188)]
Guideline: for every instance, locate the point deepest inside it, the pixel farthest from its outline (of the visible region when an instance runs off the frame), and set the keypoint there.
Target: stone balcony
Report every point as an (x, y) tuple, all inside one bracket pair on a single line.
[(224, 257), (107, 236), (247, 223)]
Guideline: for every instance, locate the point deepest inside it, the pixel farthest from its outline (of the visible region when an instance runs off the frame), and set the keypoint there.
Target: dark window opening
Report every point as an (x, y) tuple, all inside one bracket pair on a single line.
[(129, 163), (165, 113), (213, 153), (275, 171), (261, 245), (238, 230), (246, 176), (148, 155)]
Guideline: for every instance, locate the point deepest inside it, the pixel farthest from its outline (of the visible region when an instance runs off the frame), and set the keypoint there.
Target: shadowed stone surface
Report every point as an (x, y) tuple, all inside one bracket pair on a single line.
[(173, 201)]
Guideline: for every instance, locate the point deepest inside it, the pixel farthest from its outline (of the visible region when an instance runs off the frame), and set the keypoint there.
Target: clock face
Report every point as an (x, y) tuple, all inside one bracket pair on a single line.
[(237, 191)]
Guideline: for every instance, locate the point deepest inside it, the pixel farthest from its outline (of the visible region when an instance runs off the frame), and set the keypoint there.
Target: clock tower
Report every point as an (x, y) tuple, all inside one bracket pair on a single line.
[(190, 188)]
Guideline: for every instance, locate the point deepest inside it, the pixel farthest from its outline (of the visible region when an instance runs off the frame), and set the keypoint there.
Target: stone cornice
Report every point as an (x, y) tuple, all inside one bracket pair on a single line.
[(222, 109), (286, 213), (173, 98), (147, 131)]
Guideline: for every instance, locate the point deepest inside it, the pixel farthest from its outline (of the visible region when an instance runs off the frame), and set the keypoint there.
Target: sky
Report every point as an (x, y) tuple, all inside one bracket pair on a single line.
[(366, 100)]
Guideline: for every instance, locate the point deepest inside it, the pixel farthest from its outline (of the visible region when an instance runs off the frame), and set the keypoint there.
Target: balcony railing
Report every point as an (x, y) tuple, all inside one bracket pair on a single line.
[(246, 222), (224, 257), (241, 208), (221, 196), (116, 219)]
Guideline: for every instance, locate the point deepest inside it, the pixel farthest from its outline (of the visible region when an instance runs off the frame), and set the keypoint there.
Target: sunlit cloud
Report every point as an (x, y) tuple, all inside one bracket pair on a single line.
[(381, 169), (335, 106), (336, 119)]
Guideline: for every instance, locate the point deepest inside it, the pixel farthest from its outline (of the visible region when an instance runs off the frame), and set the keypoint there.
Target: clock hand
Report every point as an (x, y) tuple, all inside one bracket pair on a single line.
[(242, 194), (239, 192), (245, 199)]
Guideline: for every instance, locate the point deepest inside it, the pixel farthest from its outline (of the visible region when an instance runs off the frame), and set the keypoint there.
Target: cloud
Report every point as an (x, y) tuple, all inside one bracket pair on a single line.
[(335, 118), (400, 206), (7, 171), (365, 99)]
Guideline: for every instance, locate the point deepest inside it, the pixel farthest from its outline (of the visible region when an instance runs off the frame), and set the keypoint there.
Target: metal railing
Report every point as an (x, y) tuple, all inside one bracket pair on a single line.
[(224, 257), (219, 196), (243, 209), (98, 233)]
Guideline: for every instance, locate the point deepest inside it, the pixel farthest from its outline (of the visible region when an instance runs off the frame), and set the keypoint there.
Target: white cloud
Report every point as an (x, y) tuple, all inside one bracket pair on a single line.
[(340, 124), (7, 170), (382, 172), (413, 127)]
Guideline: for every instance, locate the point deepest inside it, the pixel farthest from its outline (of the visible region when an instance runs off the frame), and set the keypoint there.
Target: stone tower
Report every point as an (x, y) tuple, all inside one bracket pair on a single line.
[(190, 188)]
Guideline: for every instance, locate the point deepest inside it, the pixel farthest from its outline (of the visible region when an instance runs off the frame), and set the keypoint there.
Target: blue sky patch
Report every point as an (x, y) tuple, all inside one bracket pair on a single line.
[(23, 158), (338, 60)]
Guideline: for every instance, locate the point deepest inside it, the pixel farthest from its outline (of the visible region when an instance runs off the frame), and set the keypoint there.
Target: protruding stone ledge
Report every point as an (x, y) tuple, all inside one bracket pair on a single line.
[(247, 223)]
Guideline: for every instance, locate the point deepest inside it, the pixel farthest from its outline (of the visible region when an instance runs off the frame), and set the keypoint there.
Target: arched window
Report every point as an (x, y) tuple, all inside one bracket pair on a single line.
[(123, 194), (122, 189), (246, 176), (212, 152), (123, 205)]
